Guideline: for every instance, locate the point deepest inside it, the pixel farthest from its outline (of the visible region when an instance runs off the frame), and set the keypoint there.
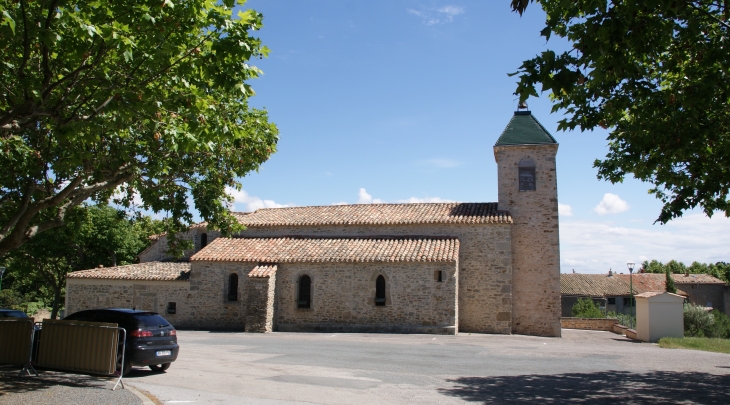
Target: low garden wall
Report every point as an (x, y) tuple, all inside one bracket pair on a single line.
[(606, 324)]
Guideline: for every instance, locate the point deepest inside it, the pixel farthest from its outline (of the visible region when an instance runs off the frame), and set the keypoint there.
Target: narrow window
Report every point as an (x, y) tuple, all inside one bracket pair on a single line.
[(171, 307), (439, 276), (203, 240), (233, 287), (380, 291), (305, 292), (527, 175)]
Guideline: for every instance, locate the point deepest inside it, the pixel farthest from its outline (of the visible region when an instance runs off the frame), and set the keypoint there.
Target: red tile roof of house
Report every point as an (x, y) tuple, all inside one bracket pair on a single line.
[(603, 285), (377, 214), (152, 271), (318, 250), (262, 271), (696, 279)]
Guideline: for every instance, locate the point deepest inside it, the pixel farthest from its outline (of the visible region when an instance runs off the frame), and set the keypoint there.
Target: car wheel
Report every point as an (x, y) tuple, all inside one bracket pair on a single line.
[(159, 367), (127, 365)]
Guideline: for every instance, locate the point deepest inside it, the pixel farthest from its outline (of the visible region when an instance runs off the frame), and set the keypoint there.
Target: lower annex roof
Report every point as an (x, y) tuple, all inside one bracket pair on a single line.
[(149, 271)]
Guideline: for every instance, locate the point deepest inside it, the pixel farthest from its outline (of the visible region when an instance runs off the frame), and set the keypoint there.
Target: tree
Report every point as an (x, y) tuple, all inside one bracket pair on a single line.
[(657, 75), (670, 283), (92, 236), (586, 308), (142, 99)]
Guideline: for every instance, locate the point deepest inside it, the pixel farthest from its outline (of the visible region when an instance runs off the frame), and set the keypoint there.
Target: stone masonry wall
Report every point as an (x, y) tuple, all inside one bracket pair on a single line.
[(157, 251), (343, 297), (702, 294), (260, 302), (485, 265), (535, 238), (152, 296), (589, 323)]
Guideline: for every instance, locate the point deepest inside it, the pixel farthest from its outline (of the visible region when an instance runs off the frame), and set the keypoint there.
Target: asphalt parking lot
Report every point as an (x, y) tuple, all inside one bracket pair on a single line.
[(297, 368)]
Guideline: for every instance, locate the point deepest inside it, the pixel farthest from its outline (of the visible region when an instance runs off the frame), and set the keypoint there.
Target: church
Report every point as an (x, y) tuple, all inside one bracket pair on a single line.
[(440, 268)]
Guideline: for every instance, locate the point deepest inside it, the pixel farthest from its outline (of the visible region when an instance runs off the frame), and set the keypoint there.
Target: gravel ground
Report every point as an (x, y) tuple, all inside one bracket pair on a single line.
[(51, 387)]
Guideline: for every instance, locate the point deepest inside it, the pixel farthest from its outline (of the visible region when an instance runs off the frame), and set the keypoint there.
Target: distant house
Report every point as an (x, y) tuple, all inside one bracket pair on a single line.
[(612, 291)]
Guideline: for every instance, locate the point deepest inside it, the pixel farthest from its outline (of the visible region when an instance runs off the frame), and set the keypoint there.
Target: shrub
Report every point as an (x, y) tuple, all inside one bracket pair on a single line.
[(720, 328), (670, 283), (697, 320), (10, 299), (586, 308)]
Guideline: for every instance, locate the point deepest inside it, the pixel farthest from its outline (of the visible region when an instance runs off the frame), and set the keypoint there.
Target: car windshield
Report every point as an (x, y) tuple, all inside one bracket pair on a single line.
[(13, 314), (151, 320)]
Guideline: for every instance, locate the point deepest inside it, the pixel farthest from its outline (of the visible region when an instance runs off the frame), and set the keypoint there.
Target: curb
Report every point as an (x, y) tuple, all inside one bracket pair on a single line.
[(145, 399)]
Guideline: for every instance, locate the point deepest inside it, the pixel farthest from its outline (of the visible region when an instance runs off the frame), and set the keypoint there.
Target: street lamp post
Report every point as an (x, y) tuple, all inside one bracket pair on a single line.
[(631, 265), (2, 271)]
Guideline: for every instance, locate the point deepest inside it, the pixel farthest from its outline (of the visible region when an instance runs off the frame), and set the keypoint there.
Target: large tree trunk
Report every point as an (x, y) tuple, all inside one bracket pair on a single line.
[(56, 301)]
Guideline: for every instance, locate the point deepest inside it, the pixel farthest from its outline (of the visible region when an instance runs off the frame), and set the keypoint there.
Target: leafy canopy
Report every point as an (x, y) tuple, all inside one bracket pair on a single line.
[(586, 308), (140, 100), (656, 73)]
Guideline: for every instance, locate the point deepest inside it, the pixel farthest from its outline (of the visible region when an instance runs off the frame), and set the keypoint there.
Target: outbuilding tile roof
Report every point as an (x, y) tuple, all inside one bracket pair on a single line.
[(318, 250), (152, 271), (603, 285), (696, 279), (377, 214), (262, 271)]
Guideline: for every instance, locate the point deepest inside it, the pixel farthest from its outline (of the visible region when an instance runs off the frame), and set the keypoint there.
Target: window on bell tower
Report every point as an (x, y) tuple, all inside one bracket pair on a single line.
[(527, 174)]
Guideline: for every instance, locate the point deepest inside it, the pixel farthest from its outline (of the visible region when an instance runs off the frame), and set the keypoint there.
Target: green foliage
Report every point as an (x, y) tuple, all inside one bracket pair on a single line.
[(655, 73), (10, 299), (92, 236), (697, 321), (720, 328), (720, 270), (586, 308), (669, 282), (623, 319), (126, 100), (696, 343)]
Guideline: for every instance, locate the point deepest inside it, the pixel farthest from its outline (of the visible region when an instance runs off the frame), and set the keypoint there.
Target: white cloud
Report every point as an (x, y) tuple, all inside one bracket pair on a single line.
[(251, 203), (443, 163), (364, 198), (565, 210), (414, 200), (594, 247), (611, 204), (437, 16)]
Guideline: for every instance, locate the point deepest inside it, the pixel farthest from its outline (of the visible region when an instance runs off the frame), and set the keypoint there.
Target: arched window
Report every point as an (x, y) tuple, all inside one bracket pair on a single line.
[(380, 291), (203, 240), (527, 174), (233, 287), (305, 292)]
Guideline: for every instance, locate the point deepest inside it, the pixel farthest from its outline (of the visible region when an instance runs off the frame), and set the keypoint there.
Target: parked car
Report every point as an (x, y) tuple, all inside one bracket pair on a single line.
[(12, 313), (151, 340)]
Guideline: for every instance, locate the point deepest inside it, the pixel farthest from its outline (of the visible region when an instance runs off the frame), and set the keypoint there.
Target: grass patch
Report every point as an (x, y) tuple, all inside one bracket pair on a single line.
[(696, 343)]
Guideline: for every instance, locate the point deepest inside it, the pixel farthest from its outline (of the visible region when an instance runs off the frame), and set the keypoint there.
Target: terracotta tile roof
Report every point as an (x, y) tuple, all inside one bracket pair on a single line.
[(377, 214), (318, 250), (153, 271), (696, 279), (262, 270), (601, 285)]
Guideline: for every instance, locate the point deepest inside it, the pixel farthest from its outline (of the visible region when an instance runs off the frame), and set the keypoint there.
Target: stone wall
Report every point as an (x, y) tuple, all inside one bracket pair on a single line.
[(157, 251), (82, 294), (485, 265), (535, 238), (260, 302), (589, 323), (343, 297), (704, 294)]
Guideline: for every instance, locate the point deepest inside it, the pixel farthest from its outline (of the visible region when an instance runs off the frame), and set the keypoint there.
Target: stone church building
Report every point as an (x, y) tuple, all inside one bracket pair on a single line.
[(441, 268)]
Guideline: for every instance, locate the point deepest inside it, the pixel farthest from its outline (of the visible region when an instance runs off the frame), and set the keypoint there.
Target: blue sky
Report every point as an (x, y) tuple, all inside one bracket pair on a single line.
[(394, 101)]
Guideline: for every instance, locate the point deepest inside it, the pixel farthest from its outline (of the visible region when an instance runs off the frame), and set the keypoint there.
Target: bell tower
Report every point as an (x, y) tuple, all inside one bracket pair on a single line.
[(527, 182)]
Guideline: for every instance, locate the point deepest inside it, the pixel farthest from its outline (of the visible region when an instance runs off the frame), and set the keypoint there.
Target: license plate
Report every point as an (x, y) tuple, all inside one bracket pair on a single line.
[(164, 353)]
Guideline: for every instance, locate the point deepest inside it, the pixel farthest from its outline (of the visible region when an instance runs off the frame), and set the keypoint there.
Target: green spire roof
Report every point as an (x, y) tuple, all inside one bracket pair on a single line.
[(524, 129)]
